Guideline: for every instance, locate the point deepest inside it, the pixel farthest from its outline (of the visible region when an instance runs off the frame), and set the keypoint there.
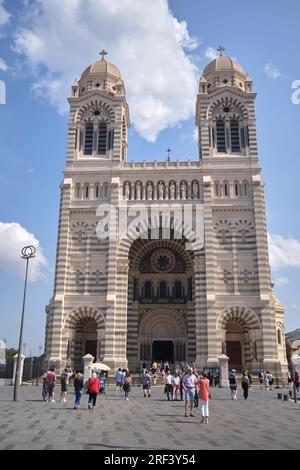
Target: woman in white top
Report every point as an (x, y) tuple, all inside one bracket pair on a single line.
[(176, 385)]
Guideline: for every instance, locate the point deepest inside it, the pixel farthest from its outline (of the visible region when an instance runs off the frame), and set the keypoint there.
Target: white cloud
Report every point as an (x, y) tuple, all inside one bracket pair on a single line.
[(272, 72), (146, 42), (4, 15), (284, 253), (13, 237), (3, 65), (210, 53), (281, 281)]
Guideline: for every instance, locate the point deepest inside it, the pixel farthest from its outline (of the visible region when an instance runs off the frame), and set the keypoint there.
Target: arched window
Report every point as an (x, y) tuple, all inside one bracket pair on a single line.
[(163, 290), (86, 191), (178, 290), (148, 290), (245, 188), (236, 188), (226, 192), (221, 140), (235, 136), (102, 138), (217, 189), (105, 191), (77, 191), (97, 191), (88, 139), (279, 336)]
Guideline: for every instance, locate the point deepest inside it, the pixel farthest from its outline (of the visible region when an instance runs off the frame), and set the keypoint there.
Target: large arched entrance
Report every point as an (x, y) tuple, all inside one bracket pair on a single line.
[(84, 334), (161, 312), (162, 336), (240, 336)]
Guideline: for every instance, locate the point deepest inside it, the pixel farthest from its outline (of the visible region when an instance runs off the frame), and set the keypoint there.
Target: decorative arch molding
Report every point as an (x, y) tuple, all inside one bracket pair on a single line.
[(234, 100), (83, 113), (142, 247), (162, 323), (82, 313), (243, 316)]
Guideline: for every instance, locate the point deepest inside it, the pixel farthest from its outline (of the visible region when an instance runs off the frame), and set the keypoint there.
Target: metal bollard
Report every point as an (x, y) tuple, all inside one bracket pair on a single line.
[(285, 397), (279, 396)]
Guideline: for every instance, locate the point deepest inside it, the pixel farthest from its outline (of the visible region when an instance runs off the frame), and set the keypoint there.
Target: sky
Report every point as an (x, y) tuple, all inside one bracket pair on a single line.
[(160, 48)]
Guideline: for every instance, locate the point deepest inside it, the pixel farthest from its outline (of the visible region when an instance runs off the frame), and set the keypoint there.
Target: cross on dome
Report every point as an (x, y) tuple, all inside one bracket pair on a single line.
[(103, 53), (169, 150), (221, 49)]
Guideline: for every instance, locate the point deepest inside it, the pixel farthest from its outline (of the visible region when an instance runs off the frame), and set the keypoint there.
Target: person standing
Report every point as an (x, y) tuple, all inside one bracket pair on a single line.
[(78, 386), (119, 381), (204, 396), (266, 380), (146, 383), (154, 367), (176, 385), (64, 380), (103, 381), (261, 378), (168, 384), (189, 382), (233, 384), (245, 385), (51, 381), (127, 381), (93, 388), (269, 376)]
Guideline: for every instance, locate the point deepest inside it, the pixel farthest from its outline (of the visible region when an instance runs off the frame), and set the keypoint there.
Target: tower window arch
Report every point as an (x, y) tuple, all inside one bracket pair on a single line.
[(221, 139), (148, 290), (102, 138), (235, 136), (178, 290), (77, 191), (278, 336), (97, 191), (88, 138), (163, 290)]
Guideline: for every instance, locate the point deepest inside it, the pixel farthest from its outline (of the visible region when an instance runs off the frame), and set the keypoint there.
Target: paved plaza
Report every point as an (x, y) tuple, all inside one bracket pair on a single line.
[(261, 422)]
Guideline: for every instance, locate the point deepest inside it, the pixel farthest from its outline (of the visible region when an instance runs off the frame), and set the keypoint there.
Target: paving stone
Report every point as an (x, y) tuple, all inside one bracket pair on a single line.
[(261, 422)]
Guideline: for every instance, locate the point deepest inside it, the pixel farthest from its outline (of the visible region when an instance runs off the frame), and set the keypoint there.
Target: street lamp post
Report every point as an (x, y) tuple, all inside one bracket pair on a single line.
[(27, 253)]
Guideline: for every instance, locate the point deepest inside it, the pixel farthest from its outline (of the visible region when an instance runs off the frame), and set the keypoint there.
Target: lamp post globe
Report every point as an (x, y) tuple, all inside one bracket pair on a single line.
[(28, 252)]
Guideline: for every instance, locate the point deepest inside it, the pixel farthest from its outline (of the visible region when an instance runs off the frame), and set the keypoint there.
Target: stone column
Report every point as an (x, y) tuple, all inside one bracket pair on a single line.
[(87, 276), (55, 310), (21, 369), (87, 360), (210, 275), (235, 265), (268, 321), (200, 313), (116, 313), (223, 362)]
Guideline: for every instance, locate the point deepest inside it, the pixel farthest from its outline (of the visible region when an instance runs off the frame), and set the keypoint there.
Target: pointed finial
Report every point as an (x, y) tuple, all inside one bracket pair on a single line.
[(103, 53), (169, 150), (221, 49)]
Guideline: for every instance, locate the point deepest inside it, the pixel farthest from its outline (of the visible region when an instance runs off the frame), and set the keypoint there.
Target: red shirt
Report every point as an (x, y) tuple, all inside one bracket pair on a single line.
[(93, 385), (204, 389)]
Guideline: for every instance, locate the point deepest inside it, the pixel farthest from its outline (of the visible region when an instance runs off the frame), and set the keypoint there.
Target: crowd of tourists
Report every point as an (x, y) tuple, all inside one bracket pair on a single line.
[(179, 384)]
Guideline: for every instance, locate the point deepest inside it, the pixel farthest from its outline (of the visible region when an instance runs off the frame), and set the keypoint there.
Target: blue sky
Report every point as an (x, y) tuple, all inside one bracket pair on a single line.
[(263, 37)]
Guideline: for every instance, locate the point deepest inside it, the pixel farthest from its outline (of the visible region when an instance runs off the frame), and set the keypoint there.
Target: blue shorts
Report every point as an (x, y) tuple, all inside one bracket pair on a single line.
[(190, 394)]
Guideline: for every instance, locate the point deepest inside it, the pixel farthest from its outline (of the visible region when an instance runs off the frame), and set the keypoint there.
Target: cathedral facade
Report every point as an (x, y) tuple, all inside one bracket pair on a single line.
[(151, 294)]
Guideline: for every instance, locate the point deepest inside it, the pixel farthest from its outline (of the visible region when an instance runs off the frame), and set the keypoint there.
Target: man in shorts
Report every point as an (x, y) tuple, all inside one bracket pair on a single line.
[(119, 377), (146, 382), (189, 382)]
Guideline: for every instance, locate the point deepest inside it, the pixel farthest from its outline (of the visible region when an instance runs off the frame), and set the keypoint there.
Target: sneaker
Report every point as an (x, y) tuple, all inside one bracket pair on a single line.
[(89, 406), (192, 414), (185, 415), (53, 401), (127, 398)]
